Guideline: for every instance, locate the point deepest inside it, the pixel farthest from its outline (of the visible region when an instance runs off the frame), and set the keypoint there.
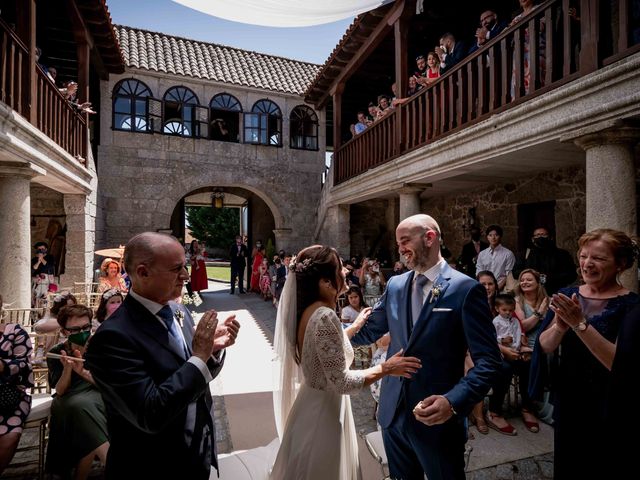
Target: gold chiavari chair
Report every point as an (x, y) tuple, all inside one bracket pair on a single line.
[(25, 317)]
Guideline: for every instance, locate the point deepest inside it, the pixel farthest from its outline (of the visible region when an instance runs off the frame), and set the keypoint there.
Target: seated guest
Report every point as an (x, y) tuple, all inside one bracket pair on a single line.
[(48, 327), (398, 269), (78, 425), (111, 277), (109, 303), (16, 376), (49, 323), (489, 28), (516, 359), (450, 52)]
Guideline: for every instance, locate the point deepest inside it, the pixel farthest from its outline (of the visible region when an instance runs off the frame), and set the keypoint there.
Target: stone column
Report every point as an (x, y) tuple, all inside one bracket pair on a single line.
[(80, 239), (342, 227), (409, 201), (15, 234), (283, 240), (611, 181)]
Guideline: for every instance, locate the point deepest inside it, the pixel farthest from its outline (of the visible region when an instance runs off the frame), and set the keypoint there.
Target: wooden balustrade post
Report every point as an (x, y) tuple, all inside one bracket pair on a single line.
[(401, 37), (26, 30), (589, 35), (337, 132)]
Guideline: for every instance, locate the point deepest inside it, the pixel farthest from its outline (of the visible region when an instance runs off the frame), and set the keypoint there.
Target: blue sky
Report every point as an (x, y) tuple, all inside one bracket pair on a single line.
[(311, 44)]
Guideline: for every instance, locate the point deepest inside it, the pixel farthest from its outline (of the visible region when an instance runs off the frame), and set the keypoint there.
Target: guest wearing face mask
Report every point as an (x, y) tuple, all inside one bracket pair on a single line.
[(109, 303), (555, 265), (78, 425)]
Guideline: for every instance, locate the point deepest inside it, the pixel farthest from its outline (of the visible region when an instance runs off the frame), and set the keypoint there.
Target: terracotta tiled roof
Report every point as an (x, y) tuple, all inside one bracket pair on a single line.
[(181, 56)]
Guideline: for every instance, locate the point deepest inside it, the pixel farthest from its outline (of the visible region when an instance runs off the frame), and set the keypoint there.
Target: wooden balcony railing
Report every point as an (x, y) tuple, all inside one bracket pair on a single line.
[(55, 117), (545, 49)]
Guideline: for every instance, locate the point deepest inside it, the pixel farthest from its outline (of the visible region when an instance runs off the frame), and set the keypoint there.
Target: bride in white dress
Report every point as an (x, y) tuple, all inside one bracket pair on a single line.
[(312, 406)]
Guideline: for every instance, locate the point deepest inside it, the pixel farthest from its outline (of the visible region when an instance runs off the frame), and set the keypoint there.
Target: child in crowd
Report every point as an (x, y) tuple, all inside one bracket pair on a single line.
[(265, 280), (508, 329)]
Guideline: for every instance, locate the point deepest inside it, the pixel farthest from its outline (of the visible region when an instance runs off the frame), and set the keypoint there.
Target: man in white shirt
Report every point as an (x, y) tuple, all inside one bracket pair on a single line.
[(497, 259)]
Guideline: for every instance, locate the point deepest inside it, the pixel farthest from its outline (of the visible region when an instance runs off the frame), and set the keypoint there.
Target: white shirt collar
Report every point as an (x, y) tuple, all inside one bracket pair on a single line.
[(150, 305), (433, 272)]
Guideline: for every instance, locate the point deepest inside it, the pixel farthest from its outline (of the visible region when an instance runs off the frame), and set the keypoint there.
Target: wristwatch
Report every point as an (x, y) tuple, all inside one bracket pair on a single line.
[(581, 327)]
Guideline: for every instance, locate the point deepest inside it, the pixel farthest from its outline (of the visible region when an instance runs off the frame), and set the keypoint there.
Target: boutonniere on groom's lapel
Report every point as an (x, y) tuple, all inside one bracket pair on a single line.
[(179, 316), (436, 291)]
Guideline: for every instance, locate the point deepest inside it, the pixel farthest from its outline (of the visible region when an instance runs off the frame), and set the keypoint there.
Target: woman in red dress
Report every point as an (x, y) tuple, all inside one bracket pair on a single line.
[(258, 256), (198, 268)]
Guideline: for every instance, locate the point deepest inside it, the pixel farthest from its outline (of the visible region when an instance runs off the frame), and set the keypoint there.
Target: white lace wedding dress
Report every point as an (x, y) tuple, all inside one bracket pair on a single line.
[(319, 440)]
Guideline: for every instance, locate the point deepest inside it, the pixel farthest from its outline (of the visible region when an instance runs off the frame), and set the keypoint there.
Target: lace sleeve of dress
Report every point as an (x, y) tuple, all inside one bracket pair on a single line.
[(329, 343)]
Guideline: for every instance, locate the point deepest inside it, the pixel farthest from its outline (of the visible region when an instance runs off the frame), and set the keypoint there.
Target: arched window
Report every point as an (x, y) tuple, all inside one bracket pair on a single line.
[(130, 111), (224, 112), (304, 128), (181, 116), (264, 124)]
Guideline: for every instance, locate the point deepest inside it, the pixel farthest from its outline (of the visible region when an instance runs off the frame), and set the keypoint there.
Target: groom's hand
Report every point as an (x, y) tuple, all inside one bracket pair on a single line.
[(433, 410)]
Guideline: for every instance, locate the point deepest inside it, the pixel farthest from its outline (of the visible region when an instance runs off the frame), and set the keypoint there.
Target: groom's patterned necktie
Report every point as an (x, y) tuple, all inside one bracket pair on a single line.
[(417, 297)]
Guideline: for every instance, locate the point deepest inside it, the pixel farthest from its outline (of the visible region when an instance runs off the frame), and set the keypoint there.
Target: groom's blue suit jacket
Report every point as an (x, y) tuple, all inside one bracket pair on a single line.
[(456, 319)]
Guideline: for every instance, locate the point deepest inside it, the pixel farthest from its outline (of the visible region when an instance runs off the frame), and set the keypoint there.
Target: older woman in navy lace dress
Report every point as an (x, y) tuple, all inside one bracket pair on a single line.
[(581, 331)]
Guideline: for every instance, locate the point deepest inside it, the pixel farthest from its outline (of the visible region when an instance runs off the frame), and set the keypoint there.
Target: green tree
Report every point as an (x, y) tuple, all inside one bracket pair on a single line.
[(216, 227)]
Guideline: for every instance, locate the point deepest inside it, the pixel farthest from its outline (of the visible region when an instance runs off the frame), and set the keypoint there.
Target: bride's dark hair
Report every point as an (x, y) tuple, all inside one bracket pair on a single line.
[(313, 264)]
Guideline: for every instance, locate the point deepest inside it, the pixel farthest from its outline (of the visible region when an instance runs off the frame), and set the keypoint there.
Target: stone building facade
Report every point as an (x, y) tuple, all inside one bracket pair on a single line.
[(144, 176)]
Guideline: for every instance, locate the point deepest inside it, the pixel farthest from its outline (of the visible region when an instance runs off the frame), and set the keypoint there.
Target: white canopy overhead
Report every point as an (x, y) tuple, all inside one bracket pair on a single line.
[(283, 13)]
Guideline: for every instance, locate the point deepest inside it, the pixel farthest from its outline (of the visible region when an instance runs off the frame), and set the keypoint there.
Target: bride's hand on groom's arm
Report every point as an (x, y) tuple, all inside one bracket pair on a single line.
[(359, 322), (433, 410), (400, 366)]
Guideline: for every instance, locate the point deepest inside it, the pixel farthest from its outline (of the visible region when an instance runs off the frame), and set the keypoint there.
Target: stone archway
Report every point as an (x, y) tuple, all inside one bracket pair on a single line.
[(256, 219)]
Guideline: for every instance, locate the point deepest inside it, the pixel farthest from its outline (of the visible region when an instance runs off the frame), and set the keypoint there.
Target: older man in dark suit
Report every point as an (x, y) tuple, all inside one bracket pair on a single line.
[(154, 370)]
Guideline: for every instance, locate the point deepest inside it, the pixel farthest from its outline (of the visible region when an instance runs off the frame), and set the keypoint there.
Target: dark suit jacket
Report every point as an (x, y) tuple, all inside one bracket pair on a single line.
[(149, 390), (459, 319), (458, 53), (238, 260), (494, 32), (467, 257)]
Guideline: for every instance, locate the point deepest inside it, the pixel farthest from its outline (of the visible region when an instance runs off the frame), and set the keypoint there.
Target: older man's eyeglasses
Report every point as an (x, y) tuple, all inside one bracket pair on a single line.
[(83, 328)]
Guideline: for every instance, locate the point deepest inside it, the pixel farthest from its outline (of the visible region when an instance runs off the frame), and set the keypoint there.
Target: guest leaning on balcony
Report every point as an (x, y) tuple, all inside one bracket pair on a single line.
[(584, 323)]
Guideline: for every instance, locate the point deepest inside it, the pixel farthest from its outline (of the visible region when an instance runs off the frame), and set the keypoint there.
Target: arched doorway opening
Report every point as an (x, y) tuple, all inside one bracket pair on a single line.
[(229, 211)]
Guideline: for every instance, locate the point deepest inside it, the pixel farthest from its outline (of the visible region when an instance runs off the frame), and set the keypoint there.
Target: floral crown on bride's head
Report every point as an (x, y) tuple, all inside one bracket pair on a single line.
[(300, 267)]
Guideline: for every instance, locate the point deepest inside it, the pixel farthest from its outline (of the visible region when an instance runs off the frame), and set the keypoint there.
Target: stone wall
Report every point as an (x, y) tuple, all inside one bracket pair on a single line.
[(373, 229), (47, 205), (498, 204), (144, 176)]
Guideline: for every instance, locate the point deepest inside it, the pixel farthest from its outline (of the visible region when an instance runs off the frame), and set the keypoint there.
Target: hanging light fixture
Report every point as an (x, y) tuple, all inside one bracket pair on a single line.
[(217, 198)]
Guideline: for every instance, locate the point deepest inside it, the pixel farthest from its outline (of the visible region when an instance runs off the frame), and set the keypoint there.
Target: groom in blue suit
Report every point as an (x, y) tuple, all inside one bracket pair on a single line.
[(436, 314)]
